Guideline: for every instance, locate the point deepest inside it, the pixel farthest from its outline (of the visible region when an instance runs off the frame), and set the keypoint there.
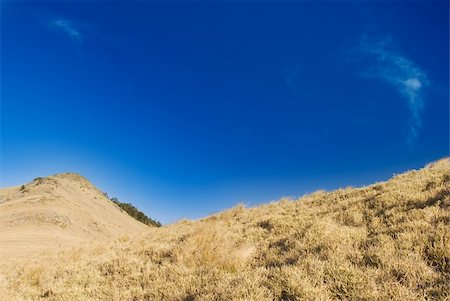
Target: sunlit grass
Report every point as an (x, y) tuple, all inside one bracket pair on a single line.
[(387, 241)]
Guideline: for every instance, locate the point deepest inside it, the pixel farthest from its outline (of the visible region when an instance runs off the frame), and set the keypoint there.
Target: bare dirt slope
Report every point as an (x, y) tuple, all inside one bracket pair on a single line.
[(55, 212)]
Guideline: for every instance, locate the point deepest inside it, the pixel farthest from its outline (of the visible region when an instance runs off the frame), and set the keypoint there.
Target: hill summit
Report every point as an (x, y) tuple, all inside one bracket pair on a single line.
[(56, 212)]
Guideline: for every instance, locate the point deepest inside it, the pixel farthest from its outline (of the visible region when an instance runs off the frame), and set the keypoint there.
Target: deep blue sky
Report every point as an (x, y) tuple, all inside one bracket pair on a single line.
[(185, 108)]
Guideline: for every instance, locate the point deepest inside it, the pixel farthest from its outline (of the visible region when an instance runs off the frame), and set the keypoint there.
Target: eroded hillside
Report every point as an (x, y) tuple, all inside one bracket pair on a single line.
[(387, 241)]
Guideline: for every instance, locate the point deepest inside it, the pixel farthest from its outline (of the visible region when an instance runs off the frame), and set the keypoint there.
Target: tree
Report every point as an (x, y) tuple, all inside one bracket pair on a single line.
[(134, 212)]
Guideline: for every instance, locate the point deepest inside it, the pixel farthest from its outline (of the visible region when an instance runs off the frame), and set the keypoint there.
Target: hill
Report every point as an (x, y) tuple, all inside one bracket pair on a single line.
[(56, 212), (387, 241)]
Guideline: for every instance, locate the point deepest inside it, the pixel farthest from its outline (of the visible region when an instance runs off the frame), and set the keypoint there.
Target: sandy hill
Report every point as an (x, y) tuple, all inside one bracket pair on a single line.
[(56, 212), (387, 241)]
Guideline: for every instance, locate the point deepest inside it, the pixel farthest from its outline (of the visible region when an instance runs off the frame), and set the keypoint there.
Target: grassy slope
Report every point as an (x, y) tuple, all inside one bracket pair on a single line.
[(388, 241), (57, 212)]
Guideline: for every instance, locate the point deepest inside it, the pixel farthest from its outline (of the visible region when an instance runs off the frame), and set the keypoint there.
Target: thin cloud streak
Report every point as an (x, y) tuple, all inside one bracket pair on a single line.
[(398, 71), (290, 79), (67, 27)]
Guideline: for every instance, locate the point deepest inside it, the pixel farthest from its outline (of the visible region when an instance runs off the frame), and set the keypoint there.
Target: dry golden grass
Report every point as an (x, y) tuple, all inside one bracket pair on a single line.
[(58, 212), (387, 241)]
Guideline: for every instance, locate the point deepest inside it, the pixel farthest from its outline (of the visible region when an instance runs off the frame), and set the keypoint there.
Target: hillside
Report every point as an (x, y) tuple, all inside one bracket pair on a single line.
[(57, 212), (387, 241)]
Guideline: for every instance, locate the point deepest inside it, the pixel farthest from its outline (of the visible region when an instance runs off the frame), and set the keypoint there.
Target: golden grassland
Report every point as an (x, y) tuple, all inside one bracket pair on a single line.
[(57, 212), (387, 241)]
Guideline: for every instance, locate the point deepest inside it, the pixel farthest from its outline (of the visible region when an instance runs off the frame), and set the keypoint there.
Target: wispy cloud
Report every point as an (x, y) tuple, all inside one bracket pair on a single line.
[(67, 27), (390, 66), (291, 77)]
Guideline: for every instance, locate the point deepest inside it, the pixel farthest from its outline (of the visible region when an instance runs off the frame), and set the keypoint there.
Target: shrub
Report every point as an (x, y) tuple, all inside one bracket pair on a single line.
[(135, 213)]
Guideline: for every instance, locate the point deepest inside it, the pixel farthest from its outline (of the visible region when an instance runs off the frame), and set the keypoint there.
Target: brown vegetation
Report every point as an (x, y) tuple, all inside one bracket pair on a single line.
[(387, 241), (57, 212)]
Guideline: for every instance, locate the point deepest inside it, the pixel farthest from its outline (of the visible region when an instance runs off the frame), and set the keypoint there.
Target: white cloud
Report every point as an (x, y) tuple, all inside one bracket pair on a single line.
[(67, 27), (389, 65), (413, 83)]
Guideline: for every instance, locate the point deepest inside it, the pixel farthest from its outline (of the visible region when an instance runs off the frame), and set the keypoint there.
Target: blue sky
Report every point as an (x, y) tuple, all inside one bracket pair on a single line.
[(188, 108)]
